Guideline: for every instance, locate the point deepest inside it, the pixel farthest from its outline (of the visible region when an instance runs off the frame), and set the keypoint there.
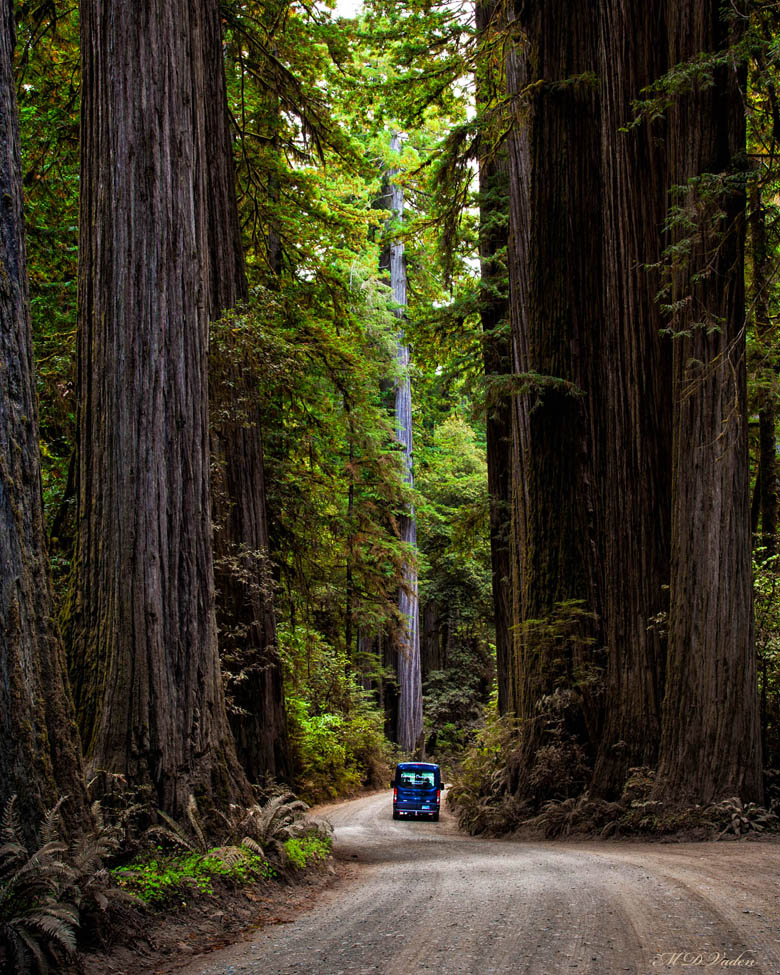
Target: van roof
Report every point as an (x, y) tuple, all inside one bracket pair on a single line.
[(417, 765)]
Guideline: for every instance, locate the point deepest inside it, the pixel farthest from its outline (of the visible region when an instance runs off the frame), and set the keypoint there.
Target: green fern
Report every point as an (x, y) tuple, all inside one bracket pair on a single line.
[(268, 825), (37, 923)]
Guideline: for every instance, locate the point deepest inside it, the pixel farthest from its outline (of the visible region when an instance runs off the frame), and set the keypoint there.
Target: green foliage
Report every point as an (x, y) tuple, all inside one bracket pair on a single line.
[(766, 603), (52, 891), (738, 818), (48, 96), (336, 730), (481, 795), (173, 879), (452, 518), (255, 848), (300, 853), (728, 818), (268, 826), (577, 814), (562, 638), (455, 582)]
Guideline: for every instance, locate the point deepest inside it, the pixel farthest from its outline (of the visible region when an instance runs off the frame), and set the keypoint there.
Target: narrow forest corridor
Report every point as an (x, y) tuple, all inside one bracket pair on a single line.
[(389, 384), (426, 898)]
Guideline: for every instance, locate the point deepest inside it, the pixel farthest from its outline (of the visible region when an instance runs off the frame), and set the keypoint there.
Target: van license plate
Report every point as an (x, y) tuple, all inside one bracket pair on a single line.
[(425, 807)]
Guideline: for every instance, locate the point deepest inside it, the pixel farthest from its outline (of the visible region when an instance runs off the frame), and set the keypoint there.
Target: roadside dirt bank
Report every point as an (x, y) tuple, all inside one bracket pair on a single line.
[(155, 942)]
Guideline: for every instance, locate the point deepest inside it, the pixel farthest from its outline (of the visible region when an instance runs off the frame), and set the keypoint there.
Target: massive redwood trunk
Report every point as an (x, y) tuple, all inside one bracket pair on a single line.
[(244, 588), (556, 277), (409, 702), (635, 379), (144, 641), (710, 732), (40, 757), (496, 342)]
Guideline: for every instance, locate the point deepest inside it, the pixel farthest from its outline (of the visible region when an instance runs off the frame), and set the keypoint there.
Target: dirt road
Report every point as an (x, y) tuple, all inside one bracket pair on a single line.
[(425, 898)]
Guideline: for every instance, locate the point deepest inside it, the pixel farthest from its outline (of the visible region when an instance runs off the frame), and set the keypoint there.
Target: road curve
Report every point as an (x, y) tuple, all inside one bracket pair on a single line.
[(425, 898)]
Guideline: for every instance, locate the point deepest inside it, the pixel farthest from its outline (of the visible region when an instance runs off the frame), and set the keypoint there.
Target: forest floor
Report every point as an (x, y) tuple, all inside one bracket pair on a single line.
[(423, 897)]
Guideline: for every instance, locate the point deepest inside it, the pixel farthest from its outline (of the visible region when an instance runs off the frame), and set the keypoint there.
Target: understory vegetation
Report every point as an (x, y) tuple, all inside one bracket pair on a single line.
[(336, 729), (58, 896), (485, 802), (160, 881)]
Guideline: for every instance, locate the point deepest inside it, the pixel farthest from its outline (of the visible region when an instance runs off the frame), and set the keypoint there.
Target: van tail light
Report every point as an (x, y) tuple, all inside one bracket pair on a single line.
[(395, 794), (438, 795)]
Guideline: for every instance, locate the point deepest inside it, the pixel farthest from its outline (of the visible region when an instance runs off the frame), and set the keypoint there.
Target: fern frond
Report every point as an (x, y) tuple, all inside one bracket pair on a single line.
[(60, 929), (29, 943), (192, 816), (11, 854), (50, 829), (173, 836), (252, 846), (97, 814), (11, 828), (229, 855)]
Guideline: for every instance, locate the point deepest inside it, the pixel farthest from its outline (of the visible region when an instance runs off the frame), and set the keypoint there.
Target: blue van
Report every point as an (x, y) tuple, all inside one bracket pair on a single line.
[(417, 789)]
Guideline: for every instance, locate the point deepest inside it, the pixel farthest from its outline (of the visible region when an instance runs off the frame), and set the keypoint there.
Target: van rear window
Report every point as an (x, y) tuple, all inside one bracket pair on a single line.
[(412, 778)]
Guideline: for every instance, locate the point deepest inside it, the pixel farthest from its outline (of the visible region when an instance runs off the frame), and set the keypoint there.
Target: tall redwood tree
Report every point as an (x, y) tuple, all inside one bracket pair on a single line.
[(636, 395), (710, 744), (497, 339), (143, 633), (556, 312), (40, 757)]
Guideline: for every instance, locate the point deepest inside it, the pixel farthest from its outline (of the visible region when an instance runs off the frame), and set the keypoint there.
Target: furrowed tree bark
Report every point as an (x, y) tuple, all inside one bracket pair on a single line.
[(556, 289), (409, 702), (143, 632), (518, 254), (635, 384), (244, 585), (710, 744), (40, 758), (496, 344)]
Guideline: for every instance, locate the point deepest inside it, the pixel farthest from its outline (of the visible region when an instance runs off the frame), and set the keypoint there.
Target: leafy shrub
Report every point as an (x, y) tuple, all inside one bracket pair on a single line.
[(740, 818), (57, 892), (282, 817), (576, 815), (481, 795), (163, 880), (301, 852), (766, 606), (639, 785), (336, 730), (454, 700)]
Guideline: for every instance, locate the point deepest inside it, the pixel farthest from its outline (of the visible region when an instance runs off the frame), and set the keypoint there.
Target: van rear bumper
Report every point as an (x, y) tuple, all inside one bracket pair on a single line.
[(409, 809)]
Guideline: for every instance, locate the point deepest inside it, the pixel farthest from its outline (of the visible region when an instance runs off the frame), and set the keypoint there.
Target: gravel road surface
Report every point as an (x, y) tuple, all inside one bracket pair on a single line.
[(424, 898)]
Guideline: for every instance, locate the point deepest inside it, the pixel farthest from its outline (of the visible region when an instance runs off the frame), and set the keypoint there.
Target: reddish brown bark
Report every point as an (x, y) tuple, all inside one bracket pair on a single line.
[(40, 757), (710, 731), (556, 286), (144, 641), (496, 343), (766, 476), (635, 380), (404, 716)]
